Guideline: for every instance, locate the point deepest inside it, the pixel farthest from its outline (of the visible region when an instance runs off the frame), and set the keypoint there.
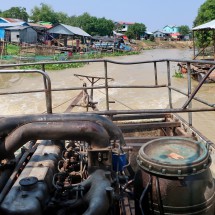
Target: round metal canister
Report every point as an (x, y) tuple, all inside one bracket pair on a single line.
[(174, 177)]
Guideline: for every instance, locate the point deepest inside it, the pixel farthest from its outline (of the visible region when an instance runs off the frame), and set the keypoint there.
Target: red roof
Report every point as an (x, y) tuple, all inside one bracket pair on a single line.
[(175, 34), (126, 23), (13, 20)]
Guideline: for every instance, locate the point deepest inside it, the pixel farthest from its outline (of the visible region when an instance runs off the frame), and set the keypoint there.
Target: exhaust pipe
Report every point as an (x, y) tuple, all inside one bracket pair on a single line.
[(91, 132), (7, 125)]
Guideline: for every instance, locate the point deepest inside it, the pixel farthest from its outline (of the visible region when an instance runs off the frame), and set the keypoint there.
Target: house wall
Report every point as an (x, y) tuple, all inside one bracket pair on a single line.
[(2, 33), (158, 34), (171, 29), (28, 35), (14, 36)]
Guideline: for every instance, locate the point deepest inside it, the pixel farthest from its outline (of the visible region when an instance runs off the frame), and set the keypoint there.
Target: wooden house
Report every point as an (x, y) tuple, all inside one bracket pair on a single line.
[(162, 35), (171, 29), (9, 22), (21, 34)]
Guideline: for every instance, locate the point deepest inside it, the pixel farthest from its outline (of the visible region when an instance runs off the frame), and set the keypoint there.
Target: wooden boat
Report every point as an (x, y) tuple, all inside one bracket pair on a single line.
[(198, 71), (106, 161)]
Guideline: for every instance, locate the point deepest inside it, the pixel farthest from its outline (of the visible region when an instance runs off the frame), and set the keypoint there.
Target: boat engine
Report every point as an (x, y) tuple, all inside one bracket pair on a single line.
[(69, 171)]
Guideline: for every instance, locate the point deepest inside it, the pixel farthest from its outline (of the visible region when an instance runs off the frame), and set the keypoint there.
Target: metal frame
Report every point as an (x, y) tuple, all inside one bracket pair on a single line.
[(187, 107)]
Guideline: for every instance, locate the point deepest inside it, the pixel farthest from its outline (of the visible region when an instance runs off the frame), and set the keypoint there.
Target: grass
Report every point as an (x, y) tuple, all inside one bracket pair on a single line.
[(12, 49), (178, 74)]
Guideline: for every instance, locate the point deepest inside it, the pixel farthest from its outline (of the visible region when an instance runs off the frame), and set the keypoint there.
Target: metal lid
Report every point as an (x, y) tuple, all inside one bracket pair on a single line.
[(28, 182), (173, 157)]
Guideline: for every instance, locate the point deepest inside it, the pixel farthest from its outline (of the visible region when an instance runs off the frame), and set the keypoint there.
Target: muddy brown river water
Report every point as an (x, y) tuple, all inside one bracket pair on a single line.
[(124, 98)]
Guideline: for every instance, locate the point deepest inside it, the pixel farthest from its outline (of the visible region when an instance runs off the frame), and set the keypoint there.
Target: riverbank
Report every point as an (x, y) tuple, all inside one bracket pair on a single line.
[(159, 44)]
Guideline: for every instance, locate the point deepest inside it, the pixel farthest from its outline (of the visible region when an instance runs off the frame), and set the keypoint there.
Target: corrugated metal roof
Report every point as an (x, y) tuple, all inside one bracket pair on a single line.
[(71, 30), (208, 25), (37, 26), (17, 28), (12, 24), (13, 20)]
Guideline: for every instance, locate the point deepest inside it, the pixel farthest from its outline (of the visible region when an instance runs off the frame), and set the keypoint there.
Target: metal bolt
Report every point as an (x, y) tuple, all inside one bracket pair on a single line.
[(164, 171)]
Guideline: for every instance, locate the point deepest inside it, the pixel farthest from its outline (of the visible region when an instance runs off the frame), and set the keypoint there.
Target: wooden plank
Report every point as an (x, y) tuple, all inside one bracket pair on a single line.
[(140, 139), (139, 116), (74, 102), (137, 142), (147, 126)]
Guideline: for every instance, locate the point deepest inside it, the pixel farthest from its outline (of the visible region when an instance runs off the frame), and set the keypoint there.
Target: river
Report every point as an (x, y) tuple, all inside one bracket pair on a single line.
[(135, 74)]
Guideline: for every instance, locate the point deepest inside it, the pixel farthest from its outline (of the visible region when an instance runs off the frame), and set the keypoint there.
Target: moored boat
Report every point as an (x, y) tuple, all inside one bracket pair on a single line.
[(107, 160)]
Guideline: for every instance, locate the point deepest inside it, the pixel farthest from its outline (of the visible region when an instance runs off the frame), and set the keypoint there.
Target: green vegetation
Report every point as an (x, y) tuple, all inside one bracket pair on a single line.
[(178, 74), (43, 13), (135, 31), (12, 49), (205, 14), (90, 24), (184, 29), (55, 66), (16, 13), (86, 56)]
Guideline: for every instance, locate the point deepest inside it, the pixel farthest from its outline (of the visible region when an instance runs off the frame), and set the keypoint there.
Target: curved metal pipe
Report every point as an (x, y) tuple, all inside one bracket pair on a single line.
[(96, 197), (91, 132), (10, 123), (95, 200)]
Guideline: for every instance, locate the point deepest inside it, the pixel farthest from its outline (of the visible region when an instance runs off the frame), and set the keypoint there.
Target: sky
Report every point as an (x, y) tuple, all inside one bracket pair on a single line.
[(155, 14)]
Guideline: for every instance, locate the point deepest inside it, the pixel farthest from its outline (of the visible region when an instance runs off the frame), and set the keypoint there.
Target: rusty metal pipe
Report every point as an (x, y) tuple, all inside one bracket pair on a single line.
[(7, 125), (95, 200), (91, 132)]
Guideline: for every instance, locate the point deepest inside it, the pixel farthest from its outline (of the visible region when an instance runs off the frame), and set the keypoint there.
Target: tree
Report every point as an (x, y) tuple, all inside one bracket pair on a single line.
[(16, 13), (135, 31), (44, 13), (104, 27), (93, 25), (184, 29), (205, 14), (62, 18)]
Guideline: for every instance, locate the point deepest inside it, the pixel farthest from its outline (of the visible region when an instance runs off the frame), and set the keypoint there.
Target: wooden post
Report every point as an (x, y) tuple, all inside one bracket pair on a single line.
[(214, 42), (194, 54)]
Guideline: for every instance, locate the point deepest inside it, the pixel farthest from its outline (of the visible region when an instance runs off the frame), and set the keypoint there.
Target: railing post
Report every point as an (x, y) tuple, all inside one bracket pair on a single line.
[(169, 84), (47, 92), (189, 92), (156, 73), (44, 79), (106, 85)]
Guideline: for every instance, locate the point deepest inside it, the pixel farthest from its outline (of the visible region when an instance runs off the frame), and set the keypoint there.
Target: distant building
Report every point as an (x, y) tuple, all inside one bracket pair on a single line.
[(9, 22), (21, 34), (146, 35), (123, 26), (171, 29), (162, 35)]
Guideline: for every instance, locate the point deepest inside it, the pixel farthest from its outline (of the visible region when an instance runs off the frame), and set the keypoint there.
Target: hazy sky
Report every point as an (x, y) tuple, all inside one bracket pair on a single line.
[(155, 14)]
